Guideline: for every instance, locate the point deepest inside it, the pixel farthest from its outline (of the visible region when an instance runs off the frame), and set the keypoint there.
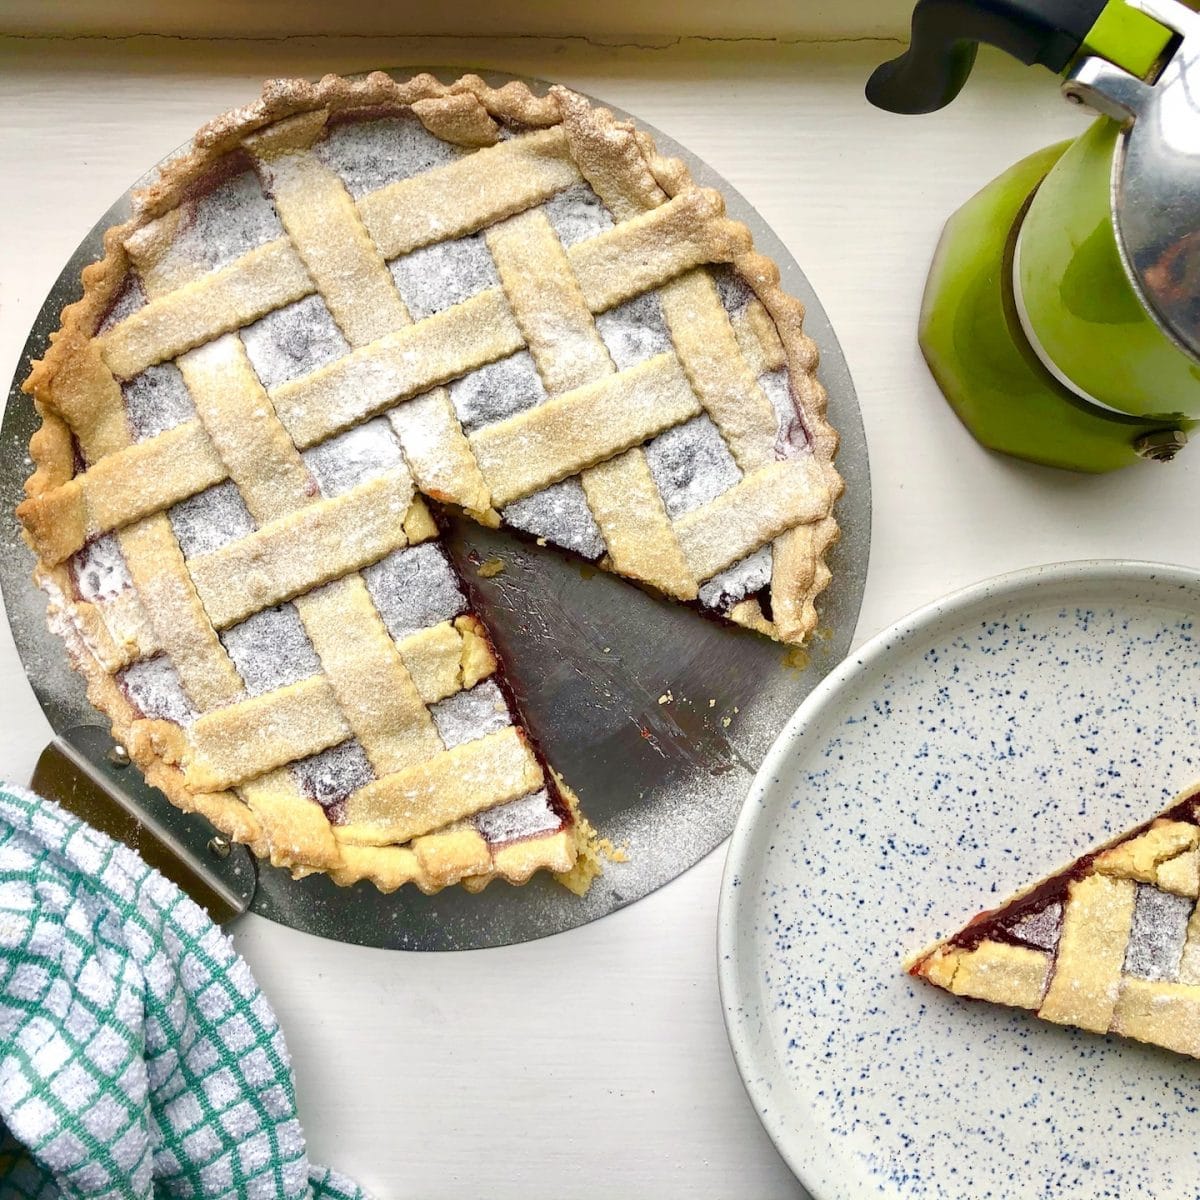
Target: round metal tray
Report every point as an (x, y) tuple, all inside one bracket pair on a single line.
[(589, 656)]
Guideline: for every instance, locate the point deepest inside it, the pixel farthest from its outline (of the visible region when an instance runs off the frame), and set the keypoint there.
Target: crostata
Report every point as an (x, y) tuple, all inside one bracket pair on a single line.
[(347, 309)]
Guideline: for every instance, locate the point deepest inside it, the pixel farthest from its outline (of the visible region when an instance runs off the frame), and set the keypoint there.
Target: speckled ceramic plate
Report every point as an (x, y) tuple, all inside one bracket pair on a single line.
[(975, 746)]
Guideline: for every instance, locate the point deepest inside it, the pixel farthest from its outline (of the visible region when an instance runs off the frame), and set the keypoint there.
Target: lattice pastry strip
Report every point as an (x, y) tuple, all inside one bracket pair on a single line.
[(182, 628), (123, 487), (162, 609), (319, 215), (457, 783), (547, 443), (265, 279), (260, 324), (297, 833), (468, 194), (711, 356), (253, 448), (547, 303)]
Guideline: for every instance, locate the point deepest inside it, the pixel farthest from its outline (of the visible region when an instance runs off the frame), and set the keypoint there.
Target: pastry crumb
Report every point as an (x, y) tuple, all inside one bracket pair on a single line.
[(541, 541), (725, 722), (490, 567), (591, 850), (666, 697), (617, 854), (712, 703)]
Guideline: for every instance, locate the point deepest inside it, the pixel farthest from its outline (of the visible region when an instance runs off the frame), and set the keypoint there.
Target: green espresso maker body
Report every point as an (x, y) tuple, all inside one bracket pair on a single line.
[(1061, 317)]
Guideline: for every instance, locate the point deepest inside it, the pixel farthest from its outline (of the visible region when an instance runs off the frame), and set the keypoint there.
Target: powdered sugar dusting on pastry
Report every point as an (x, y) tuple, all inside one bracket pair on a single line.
[(791, 436), (369, 155), (444, 274), (99, 570), (210, 519), (156, 400), (329, 777), (227, 221), (271, 649), (414, 588), (734, 291), (361, 453), (1159, 930), (577, 213), (129, 299), (156, 691), (1041, 928), (521, 818), (497, 390), (293, 340), (691, 465), (635, 330), (420, 425), (472, 714), (739, 580), (561, 515)]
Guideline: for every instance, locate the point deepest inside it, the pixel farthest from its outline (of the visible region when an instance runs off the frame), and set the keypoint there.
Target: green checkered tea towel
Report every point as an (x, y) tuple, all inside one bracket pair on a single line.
[(137, 1056)]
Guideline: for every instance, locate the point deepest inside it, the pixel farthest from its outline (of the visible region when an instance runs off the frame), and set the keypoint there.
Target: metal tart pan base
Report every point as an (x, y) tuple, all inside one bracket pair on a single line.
[(658, 717)]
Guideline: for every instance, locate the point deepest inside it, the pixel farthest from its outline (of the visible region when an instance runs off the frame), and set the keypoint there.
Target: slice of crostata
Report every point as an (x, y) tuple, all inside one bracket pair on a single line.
[(1111, 943)]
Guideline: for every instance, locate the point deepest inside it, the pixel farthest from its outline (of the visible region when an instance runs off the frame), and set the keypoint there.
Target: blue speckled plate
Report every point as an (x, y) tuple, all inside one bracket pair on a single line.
[(977, 745)]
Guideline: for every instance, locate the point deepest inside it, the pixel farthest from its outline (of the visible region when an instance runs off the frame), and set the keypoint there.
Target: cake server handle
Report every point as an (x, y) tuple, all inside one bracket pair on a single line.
[(90, 775)]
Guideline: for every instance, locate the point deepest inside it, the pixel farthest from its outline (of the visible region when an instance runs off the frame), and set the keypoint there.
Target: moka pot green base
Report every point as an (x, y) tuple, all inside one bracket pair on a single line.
[(972, 339)]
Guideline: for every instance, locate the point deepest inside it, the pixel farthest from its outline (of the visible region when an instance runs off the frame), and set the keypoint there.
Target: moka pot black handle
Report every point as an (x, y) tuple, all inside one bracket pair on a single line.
[(947, 33)]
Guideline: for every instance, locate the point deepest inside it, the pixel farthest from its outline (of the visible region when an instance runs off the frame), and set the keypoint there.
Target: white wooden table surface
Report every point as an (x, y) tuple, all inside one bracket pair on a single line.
[(595, 1063)]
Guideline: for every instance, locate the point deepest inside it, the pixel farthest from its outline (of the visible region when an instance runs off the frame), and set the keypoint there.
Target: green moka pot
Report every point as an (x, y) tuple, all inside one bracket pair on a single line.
[(1061, 317)]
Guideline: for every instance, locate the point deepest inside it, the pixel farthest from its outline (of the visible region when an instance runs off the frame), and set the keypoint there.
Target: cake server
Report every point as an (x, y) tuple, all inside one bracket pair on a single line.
[(90, 775)]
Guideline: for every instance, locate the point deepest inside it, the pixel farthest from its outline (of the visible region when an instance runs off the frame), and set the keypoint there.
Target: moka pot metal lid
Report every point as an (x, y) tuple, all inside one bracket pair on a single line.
[(1156, 170)]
